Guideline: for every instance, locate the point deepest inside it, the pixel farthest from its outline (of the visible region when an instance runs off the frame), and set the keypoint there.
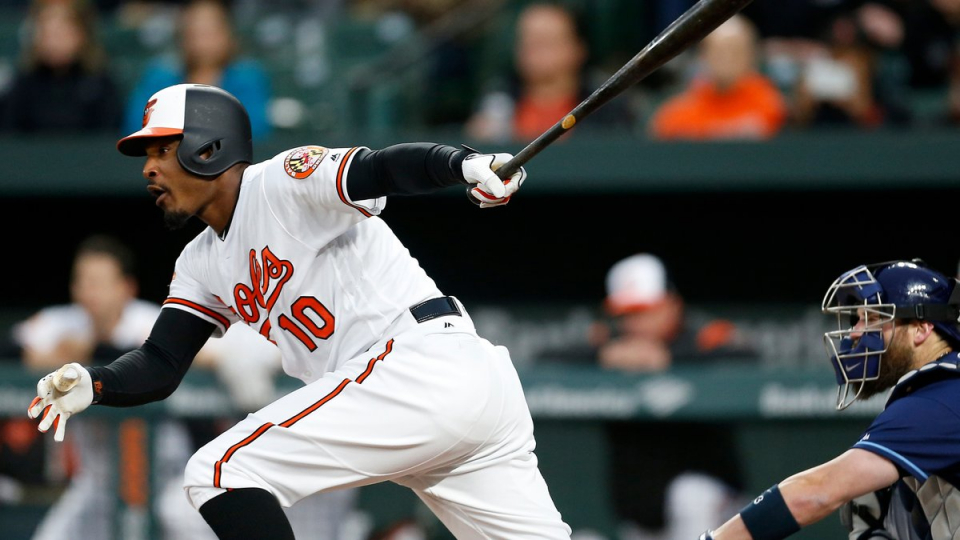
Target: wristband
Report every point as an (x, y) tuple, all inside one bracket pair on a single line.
[(97, 386), (768, 518)]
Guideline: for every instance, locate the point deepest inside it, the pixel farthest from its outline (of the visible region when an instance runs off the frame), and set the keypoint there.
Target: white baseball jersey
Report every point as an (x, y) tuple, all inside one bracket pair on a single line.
[(302, 264), (421, 401)]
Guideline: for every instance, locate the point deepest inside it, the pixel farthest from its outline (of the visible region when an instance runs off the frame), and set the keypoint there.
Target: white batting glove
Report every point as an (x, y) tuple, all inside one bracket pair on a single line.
[(60, 395), (490, 190)]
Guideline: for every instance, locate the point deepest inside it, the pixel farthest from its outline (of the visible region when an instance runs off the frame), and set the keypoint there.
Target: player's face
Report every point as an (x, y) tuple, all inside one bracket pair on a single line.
[(659, 322), (894, 364), (898, 358), (871, 321), (179, 194)]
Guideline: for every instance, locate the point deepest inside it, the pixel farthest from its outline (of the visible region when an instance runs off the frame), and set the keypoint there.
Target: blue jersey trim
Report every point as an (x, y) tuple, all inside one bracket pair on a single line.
[(915, 471)]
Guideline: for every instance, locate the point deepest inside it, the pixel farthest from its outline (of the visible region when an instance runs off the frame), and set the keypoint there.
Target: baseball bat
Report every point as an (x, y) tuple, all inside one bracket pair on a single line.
[(66, 378), (698, 21)]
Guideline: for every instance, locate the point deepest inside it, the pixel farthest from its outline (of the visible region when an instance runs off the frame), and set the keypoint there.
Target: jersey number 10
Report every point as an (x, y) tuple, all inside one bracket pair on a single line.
[(314, 320)]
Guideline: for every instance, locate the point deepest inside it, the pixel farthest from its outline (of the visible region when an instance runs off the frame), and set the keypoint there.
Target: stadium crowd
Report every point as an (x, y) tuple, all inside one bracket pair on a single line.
[(80, 65)]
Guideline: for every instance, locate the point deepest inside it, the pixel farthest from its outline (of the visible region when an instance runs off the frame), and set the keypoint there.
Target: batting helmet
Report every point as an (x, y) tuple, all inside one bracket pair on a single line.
[(207, 118), (878, 294)]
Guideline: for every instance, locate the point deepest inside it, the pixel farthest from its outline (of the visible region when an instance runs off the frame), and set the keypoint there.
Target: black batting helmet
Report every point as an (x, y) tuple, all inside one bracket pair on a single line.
[(208, 118)]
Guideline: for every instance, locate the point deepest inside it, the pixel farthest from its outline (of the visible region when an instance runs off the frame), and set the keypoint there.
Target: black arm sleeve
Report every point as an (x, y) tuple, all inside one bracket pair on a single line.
[(405, 169), (153, 371)]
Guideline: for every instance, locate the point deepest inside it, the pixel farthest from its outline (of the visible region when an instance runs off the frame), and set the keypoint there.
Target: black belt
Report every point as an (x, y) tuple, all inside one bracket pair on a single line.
[(435, 307)]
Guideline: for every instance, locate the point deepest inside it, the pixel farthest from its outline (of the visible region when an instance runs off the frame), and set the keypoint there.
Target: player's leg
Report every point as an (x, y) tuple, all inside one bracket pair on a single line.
[(498, 492), (506, 500), (247, 513), (404, 407)]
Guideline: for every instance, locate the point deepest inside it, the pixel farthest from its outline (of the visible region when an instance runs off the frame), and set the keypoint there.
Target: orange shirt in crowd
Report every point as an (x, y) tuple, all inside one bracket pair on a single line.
[(531, 119), (751, 109)]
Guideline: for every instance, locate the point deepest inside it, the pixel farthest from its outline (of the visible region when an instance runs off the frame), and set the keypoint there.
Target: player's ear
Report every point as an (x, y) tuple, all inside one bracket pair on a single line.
[(207, 152), (920, 331)]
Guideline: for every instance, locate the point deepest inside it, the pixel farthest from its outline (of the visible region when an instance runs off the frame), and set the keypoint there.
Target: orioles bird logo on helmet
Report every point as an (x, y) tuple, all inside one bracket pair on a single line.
[(147, 111)]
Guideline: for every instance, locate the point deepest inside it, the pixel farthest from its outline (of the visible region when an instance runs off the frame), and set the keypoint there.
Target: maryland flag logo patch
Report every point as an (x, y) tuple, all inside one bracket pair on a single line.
[(301, 162)]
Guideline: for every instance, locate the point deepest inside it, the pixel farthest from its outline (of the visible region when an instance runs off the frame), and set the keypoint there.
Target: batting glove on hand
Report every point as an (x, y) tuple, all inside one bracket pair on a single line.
[(490, 191), (60, 395)]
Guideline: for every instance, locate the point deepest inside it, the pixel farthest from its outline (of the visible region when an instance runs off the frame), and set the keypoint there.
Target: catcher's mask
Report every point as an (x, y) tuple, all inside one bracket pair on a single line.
[(868, 297)]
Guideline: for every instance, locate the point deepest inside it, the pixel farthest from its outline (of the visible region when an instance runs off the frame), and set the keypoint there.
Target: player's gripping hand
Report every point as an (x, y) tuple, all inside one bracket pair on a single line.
[(61, 394), (489, 190)]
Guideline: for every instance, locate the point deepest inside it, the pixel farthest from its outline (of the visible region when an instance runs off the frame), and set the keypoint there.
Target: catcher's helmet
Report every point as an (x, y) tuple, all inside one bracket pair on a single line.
[(883, 293), (207, 118)]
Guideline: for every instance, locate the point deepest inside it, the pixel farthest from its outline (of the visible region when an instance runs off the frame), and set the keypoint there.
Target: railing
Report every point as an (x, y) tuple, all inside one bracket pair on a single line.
[(785, 420), (593, 164)]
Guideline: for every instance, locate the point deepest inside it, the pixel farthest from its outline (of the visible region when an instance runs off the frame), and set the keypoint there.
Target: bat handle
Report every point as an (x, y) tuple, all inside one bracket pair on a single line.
[(509, 168), (505, 171), (66, 378)]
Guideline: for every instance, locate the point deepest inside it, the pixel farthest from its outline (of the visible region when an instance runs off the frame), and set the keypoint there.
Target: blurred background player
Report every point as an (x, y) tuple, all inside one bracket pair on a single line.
[(664, 485)]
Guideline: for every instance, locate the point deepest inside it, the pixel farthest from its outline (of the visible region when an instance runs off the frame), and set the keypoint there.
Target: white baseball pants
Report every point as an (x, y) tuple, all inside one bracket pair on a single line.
[(432, 407)]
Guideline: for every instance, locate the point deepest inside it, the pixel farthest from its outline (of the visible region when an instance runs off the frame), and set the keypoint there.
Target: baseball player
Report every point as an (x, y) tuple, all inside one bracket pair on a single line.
[(399, 386), (898, 328)]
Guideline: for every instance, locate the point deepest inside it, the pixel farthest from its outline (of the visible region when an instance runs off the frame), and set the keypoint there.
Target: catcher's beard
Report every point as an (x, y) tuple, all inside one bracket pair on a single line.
[(896, 362), (175, 220)]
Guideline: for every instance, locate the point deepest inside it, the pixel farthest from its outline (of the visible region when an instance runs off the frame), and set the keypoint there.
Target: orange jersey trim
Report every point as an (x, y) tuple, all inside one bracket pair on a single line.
[(341, 189), (299, 416), (336, 392), (233, 450), (206, 311), (363, 376)]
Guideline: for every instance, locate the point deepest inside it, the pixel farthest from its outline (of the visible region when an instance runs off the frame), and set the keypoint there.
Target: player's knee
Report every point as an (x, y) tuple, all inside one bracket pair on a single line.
[(198, 479), (200, 495)]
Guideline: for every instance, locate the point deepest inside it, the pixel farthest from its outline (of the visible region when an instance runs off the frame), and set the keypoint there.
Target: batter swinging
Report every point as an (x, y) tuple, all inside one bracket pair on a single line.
[(399, 387)]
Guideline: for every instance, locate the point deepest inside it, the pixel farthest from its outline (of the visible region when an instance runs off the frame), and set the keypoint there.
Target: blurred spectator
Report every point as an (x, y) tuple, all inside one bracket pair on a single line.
[(664, 482), (209, 54), (64, 84), (836, 84), (858, 73), (550, 55), (731, 99)]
